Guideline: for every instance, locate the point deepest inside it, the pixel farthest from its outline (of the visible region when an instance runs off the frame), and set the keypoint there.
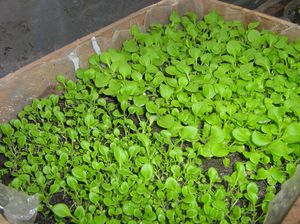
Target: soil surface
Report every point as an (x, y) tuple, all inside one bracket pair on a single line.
[(293, 13)]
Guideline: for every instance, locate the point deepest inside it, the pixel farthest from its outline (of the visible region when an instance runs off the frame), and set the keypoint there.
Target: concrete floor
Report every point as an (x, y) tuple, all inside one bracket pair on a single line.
[(30, 29)]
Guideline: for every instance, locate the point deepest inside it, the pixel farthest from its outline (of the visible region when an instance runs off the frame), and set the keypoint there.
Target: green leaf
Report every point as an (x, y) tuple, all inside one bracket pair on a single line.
[(54, 99), (226, 162), (252, 190), (174, 17), (85, 145), (94, 197), (61, 210), (192, 213), (72, 134), (253, 156), (262, 174), (189, 133), (89, 120), (278, 148), (166, 121), (60, 78), (208, 91), (277, 175), (260, 139), (183, 81), (206, 198), (54, 188), (263, 61), (218, 149), (125, 70), (212, 174), (79, 212), (245, 71), (151, 107), (130, 46), (275, 114), (220, 205), (7, 129), (195, 53), (140, 101), (128, 208), (253, 25), (120, 155), (200, 108), (216, 134), (9, 164), (21, 140), (290, 169), (79, 173), (72, 182), (59, 116), (144, 139), (147, 171), (212, 17), (241, 134), (171, 184), (124, 188), (101, 80), (292, 133), (166, 91), (253, 36), (236, 212), (101, 148), (172, 70), (233, 47), (252, 187), (184, 68)]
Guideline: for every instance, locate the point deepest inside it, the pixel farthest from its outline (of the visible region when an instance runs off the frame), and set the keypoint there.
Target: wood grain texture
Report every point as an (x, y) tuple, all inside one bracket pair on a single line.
[(3, 220), (293, 216)]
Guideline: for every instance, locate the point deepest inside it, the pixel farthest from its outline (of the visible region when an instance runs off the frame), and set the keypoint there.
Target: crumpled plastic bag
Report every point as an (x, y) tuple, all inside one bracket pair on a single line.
[(18, 207)]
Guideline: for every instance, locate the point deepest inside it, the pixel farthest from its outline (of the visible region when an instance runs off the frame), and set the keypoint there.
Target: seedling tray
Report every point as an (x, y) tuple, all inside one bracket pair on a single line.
[(37, 79)]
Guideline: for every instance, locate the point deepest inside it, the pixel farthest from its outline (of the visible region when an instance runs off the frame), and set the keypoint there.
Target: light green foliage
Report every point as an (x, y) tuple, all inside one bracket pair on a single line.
[(134, 139)]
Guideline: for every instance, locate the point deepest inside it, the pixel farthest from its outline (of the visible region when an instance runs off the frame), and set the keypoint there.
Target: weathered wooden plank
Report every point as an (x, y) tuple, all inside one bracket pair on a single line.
[(293, 216)]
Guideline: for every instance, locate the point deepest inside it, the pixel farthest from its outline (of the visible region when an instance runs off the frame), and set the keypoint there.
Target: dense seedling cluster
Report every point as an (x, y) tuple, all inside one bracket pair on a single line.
[(130, 140)]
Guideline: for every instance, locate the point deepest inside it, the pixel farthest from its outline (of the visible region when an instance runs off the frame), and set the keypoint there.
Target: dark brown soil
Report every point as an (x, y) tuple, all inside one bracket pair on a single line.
[(2, 160), (40, 219), (55, 199), (60, 197), (296, 14), (218, 163), (6, 178)]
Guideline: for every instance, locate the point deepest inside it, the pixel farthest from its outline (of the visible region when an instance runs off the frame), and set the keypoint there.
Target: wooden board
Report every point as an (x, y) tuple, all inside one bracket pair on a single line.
[(293, 216), (3, 220)]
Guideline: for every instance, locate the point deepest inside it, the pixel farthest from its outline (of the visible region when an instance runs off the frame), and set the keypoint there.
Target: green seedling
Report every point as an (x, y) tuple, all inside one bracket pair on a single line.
[(183, 124)]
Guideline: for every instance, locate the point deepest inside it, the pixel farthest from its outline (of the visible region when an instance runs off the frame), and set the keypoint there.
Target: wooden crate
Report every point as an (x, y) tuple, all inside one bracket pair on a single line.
[(37, 79)]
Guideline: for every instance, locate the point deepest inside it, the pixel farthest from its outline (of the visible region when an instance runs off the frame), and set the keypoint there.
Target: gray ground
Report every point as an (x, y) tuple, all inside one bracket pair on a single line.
[(30, 29)]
